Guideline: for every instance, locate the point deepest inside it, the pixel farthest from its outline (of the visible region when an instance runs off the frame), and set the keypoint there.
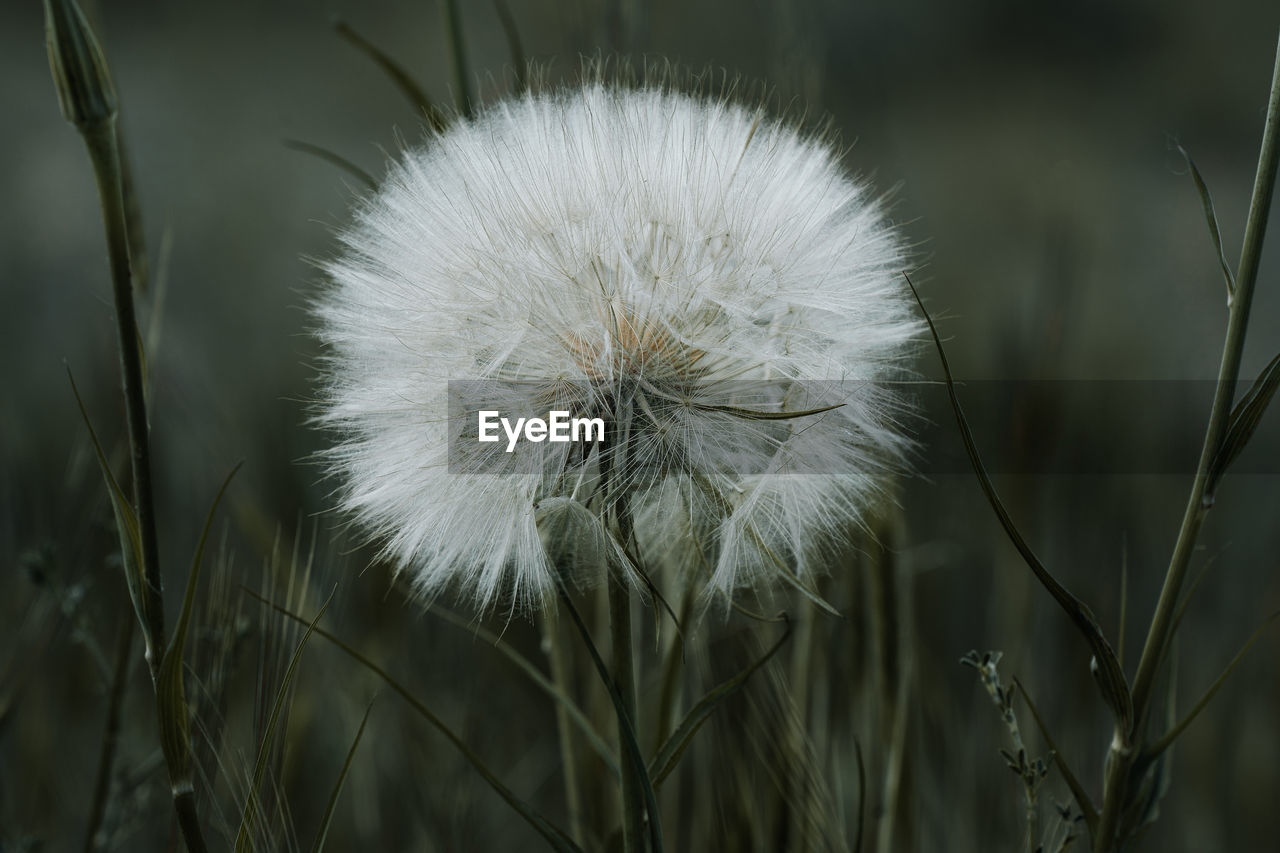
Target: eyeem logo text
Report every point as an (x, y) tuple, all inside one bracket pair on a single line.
[(556, 427)]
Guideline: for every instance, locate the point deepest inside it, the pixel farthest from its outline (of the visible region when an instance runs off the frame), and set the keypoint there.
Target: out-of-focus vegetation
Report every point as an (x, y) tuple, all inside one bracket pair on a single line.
[(1030, 148)]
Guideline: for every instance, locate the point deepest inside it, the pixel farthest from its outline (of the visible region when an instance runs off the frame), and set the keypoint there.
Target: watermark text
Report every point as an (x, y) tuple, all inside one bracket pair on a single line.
[(557, 427)]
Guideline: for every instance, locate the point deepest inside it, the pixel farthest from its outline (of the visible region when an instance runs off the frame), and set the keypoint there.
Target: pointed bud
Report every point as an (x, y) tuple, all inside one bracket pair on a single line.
[(85, 90)]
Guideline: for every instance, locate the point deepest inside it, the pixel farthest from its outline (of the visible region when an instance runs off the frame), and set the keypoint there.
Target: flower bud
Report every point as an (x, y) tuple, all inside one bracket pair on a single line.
[(85, 91)]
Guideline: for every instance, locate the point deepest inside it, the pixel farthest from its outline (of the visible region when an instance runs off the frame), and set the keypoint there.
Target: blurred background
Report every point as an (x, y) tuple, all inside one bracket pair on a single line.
[(1031, 153)]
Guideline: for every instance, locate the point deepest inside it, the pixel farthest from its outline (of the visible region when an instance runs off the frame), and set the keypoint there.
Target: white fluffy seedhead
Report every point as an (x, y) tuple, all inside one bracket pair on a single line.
[(680, 265)]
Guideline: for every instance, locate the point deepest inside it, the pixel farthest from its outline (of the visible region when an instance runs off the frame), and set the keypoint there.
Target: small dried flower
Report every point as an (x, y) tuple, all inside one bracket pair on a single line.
[(705, 282)]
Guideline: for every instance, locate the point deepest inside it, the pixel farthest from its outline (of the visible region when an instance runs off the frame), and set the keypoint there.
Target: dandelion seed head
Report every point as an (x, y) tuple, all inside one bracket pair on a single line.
[(636, 253)]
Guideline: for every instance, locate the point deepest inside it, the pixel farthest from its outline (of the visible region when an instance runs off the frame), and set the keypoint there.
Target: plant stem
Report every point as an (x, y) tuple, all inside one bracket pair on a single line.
[(556, 655), (1160, 632), (184, 803), (111, 734), (102, 142), (624, 677), (612, 463), (458, 57), (104, 153), (672, 666)]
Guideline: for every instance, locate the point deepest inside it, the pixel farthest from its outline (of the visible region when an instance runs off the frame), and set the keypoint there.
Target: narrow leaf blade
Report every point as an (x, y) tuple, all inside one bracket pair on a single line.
[(1109, 674), (458, 57), (1243, 422), (514, 45), (327, 819), (537, 677), (401, 78), (1211, 218), (126, 527), (553, 835), (627, 733), (334, 159), (1167, 739), (668, 755), (1083, 802), (172, 715), (248, 819), (758, 415)]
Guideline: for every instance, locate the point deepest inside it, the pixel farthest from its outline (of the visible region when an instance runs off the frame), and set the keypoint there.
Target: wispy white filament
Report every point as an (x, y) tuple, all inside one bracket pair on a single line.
[(647, 251)]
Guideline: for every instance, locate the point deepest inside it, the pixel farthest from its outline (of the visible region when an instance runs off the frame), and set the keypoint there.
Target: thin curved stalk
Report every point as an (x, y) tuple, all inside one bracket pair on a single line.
[(111, 736), (1160, 632), (552, 687)]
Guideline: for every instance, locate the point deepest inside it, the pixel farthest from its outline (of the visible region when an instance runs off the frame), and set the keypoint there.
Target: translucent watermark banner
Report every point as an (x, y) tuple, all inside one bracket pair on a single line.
[(745, 428), (1079, 427)]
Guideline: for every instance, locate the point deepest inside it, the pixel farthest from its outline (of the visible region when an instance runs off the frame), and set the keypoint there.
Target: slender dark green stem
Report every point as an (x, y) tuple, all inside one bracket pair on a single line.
[(111, 733), (558, 658), (88, 100), (612, 462), (102, 143), (1159, 634), (401, 78), (101, 140), (189, 821), (629, 743), (862, 798), (624, 677), (518, 62), (458, 55), (138, 259), (1228, 375), (672, 667)]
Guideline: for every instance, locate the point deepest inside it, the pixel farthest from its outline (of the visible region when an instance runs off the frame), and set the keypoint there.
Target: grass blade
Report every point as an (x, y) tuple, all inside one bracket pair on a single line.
[(756, 415), (458, 57), (1081, 796), (126, 528), (1109, 674), (172, 714), (405, 83), (1242, 423), (327, 819), (1187, 598), (333, 159), (1167, 739), (1211, 218), (509, 29), (138, 259), (627, 733), (668, 756), (244, 837), (1124, 600), (554, 836), (537, 677), (788, 574), (111, 736), (862, 797)]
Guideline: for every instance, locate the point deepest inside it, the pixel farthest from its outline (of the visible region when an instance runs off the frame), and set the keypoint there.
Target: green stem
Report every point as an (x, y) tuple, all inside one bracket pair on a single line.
[(556, 654), (613, 461), (625, 679), (111, 735), (104, 152), (458, 55), (672, 667), (101, 139), (1160, 632), (184, 802)]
